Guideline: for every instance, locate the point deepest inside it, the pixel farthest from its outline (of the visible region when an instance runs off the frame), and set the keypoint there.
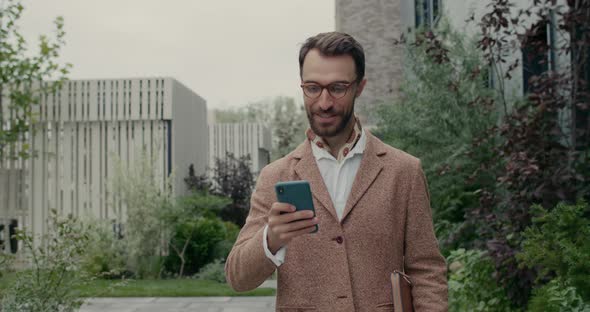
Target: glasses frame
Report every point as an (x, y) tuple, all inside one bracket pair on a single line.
[(322, 87)]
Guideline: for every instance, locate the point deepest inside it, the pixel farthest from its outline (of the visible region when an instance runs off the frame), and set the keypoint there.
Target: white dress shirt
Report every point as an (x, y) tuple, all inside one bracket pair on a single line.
[(338, 178)]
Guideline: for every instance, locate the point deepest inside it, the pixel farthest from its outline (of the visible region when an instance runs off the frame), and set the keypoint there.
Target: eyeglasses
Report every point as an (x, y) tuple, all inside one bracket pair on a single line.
[(337, 90)]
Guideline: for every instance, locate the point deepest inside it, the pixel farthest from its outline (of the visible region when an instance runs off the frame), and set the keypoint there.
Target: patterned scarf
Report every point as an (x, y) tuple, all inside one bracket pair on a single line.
[(354, 137)]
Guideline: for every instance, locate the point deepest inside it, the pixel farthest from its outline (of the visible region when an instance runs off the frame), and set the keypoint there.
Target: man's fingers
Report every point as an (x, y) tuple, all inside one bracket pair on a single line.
[(277, 208), (290, 235), (294, 226)]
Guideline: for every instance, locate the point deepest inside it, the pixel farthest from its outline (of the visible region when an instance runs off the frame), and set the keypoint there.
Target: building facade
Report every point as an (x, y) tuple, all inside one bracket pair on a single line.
[(240, 139), (88, 126), (377, 25)]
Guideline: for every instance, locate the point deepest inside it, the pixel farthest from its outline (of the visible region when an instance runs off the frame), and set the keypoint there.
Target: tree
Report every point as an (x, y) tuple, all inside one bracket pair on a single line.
[(24, 77), (445, 106), (146, 197), (233, 178), (187, 218)]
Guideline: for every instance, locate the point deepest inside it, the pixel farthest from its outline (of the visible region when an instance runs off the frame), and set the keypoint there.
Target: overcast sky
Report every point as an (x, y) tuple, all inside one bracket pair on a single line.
[(229, 52)]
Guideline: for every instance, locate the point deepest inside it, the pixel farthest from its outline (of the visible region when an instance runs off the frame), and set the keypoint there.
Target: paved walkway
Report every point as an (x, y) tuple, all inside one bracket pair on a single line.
[(200, 304), (184, 304)]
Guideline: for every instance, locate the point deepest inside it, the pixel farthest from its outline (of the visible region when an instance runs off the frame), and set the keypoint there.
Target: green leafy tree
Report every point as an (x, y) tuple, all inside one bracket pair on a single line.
[(24, 76), (233, 178), (147, 198), (437, 118), (55, 276), (185, 217)]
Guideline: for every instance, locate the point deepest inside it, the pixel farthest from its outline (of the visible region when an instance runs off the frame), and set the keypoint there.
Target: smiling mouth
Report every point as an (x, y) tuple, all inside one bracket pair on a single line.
[(325, 119)]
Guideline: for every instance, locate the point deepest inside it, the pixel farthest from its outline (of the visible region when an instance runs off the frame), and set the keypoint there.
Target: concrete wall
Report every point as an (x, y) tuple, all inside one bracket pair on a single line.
[(241, 140), (88, 125), (190, 133)]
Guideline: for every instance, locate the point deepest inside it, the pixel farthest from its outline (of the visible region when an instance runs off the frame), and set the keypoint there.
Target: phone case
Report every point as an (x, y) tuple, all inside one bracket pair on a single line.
[(296, 193)]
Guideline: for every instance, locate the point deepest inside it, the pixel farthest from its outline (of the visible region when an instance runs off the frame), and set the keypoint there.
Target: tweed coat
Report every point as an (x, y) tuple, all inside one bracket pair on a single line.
[(347, 264)]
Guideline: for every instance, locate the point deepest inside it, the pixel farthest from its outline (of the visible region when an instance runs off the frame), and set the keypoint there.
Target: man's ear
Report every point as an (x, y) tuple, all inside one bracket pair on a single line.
[(361, 87)]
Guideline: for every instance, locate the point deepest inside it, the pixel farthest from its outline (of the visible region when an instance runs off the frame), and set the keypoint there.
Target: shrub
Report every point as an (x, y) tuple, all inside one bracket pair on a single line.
[(558, 243), (106, 254), (213, 271), (203, 235), (471, 283), (53, 281), (557, 296)]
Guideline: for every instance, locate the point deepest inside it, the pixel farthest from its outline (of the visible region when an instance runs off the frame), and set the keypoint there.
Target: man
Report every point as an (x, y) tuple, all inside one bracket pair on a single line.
[(371, 201)]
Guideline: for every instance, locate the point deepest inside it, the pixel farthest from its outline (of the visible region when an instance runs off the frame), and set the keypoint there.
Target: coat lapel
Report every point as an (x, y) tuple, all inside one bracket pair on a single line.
[(307, 169), (369, 169)]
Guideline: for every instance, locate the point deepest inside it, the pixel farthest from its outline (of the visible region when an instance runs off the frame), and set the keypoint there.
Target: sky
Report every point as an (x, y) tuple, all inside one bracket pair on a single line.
[(229, 52)]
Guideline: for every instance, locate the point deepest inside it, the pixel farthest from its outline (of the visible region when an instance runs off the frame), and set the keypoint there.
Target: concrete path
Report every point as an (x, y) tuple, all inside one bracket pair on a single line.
[(204, 304), (184, 304)]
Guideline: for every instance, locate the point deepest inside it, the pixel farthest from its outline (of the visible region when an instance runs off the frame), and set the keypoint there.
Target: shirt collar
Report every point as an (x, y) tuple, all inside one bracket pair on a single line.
[(354, 145)]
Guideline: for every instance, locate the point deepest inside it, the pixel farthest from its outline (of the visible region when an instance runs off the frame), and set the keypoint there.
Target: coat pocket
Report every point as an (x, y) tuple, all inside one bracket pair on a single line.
[(296, 308), (385, 307)]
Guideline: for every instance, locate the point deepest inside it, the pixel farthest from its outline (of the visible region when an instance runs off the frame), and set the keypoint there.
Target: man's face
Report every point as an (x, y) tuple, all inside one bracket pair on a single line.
[(329, 117)]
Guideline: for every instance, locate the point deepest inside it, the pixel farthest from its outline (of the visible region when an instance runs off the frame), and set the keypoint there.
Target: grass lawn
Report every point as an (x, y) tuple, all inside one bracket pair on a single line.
[(155, 288)]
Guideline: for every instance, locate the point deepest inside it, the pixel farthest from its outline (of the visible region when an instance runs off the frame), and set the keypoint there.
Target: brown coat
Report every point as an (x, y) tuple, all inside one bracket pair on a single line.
[(346, 265)]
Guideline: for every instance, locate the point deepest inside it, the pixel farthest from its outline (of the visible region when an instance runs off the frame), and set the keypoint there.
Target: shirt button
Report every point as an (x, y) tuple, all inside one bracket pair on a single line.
[(339, 239)]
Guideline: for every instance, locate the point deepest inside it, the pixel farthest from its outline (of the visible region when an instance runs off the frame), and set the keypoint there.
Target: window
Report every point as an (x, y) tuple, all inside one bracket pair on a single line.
[(534, 55), (427, 12)]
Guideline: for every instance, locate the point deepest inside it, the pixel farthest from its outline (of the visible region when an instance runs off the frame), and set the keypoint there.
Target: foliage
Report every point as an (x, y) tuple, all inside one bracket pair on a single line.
[(188, 210), (285, 119), (222, 248), (106, 254), (557, 296), (541, 149), (437, 119), (55, 276), (24, 75), (233, 178), (558, 242), (197, 183), (146, 198), (198, 238), (471, 284), (213, 271)]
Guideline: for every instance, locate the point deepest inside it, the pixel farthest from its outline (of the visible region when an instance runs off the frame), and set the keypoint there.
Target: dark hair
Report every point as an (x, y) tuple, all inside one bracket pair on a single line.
[(335, 44)]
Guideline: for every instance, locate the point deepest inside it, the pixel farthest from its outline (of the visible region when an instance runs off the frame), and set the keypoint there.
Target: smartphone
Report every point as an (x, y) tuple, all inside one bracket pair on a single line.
[(296, 193)]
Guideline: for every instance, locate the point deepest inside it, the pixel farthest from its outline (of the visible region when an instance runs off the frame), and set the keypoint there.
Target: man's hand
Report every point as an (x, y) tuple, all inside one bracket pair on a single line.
[(282, 228)]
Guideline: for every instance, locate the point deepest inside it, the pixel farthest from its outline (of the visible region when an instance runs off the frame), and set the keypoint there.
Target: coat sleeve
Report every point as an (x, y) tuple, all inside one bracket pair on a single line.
[(247, 265), (423, 261)]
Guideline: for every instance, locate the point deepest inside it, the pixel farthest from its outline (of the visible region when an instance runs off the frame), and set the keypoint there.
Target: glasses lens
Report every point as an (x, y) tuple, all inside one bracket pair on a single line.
[(337, 90), (312, 90)]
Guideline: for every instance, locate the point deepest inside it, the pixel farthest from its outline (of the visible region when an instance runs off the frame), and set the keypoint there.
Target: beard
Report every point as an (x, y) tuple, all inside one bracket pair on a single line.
[(331, 130)]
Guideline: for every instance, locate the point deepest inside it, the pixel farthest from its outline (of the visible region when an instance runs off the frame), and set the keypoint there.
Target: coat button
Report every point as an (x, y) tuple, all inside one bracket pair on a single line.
[(339, 239)]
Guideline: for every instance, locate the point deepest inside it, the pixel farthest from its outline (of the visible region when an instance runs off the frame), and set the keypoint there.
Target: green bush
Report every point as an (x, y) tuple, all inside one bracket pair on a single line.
[(471, 283), (444, 107), (54, 279), (558, 242), (222, 248), (106, 255), (200, 236), (213, 271), (557, 296)]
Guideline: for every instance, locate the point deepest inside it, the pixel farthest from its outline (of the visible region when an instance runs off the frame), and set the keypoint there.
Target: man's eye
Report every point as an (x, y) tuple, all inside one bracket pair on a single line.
[(312, 89), (337, 88)]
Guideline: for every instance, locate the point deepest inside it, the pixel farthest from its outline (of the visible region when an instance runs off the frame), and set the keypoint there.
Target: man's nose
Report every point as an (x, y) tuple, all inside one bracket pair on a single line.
[(325, 101)]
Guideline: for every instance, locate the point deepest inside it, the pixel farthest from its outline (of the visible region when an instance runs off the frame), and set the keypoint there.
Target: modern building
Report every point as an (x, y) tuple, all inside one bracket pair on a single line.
[(87, 127), (240, 139), (377, 25)]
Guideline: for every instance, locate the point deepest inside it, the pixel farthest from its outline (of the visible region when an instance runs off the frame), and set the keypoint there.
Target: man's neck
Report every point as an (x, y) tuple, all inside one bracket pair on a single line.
[(336, 142)]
